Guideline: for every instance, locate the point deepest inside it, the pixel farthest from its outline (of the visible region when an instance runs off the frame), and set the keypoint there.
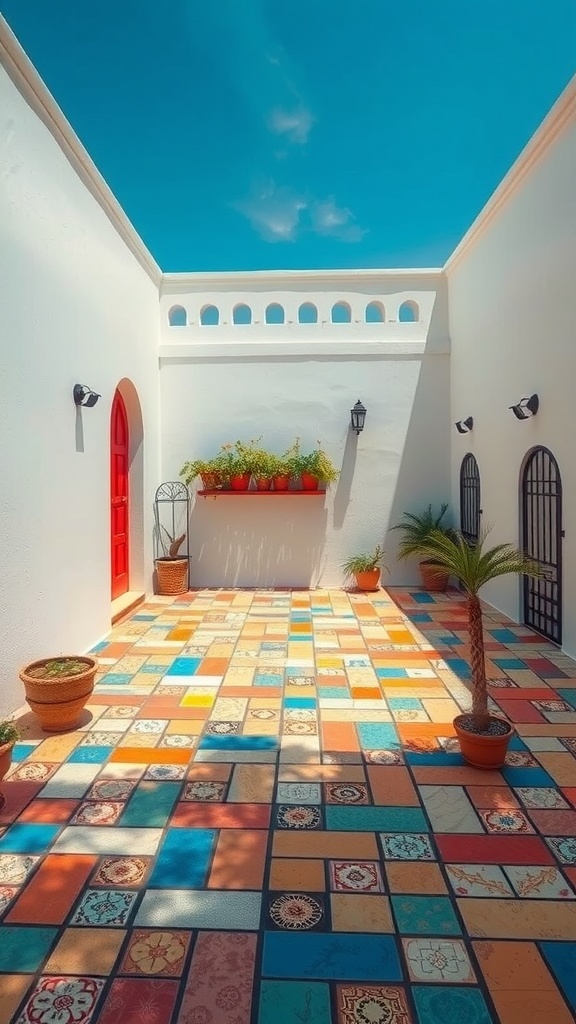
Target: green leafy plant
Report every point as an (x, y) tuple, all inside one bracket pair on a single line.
[(9, 732), (288, 464), (319, 465), (363, 563), (263, 464), (199, 467), (418, 528), (474, 566)]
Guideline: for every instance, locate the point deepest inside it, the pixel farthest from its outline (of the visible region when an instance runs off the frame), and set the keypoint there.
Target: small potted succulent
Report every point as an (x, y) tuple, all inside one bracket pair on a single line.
[(365, 569), (316, 468), (236, 463), (57, 689), (417, 529), (9, 734), (171, 568), (483, 737), (263, 469)]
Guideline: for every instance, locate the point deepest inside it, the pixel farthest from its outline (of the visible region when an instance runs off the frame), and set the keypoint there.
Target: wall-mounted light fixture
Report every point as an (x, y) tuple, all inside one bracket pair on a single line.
[(463, 426), (85, 396), (357, 417), (526, 408)]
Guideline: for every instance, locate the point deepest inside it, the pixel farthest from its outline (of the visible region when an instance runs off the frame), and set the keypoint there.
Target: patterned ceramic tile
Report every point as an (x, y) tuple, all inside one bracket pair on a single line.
[(56, 1000), (121, 871), (104, 907), (296, 911), (478, 880), (564, 848), (299, 792), (15, 868), (539, 883), (442, 960), (293, 816), (211, 792), (509, 822), (345, 793), (355, 876), (409, 846), (359, 1004), (97, 812), (159, 953)]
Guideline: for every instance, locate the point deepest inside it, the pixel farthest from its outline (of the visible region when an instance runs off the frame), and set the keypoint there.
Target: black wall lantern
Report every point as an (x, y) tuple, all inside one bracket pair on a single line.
[(463, 426), (84, 396), (526, 408), (357, 417)]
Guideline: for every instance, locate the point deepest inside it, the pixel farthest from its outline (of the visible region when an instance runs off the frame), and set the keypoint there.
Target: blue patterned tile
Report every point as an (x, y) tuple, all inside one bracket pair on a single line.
[(91, 755), (104, 907), (26, 838), (183, 859), (288, 1002), (392, 673), (23, 949), (230, 910), (338, 957), (425, 915), (441, 1004), (116, 679), (378, 735), (20, 751), (404, 704), (299, 702), (375, 819)]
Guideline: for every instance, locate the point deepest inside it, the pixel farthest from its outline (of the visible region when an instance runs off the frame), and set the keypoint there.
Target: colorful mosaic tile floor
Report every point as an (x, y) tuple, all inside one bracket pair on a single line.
[(265, 820)]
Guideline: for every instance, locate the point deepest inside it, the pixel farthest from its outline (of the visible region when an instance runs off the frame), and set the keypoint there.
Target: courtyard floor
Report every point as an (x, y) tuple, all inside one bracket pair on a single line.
[(265, 820)]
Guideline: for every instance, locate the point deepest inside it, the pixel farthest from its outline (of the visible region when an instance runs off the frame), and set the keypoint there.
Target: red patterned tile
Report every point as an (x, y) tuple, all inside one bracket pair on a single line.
[(554, 822), (518, 710), (205, 815), (219, 984), (139, 1001), (493, 849)]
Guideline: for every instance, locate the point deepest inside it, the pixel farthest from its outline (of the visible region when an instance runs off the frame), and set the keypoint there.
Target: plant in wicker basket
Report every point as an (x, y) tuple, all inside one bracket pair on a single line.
[(57, 689), (172, 568)]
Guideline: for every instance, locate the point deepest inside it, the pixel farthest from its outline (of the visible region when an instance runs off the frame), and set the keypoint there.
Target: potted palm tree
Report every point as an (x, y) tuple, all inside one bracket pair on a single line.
[(365, 569), (417, 529), (9, 734), (483, 737)]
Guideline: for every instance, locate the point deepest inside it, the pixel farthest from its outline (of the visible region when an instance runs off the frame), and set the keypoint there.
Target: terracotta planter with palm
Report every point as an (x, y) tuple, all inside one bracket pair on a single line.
[(483, 737), (365, 569), (417, 528)]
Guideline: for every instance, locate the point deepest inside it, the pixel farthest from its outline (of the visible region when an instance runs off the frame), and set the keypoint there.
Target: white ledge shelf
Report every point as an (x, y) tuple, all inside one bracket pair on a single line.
[(261, 494)]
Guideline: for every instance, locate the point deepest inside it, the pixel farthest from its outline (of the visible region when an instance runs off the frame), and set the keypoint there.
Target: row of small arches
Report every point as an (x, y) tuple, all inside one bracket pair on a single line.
[(341, 313)]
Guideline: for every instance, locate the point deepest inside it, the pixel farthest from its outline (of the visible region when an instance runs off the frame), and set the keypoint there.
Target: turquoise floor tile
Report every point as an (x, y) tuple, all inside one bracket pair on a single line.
[(375, 819), (20, 751), (338, 957), (443, 1005), (291, 1002), (150, 805), (183, 859), (377, 735), (23, 949), (425, 915), (28, 838), (239, 743), (561, 957)]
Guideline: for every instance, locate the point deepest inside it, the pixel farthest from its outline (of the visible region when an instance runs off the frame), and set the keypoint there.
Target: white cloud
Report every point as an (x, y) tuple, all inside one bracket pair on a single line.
[(336, 221), (281, 214), (294, 124), (274, 212)]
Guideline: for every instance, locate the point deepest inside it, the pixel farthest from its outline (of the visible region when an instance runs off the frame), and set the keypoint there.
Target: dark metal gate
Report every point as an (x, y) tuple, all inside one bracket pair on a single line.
[(542, 540), (470, 510)]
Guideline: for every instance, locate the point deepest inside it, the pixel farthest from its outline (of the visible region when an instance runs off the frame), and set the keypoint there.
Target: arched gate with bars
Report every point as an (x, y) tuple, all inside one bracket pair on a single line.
[(470, 510), (541, 499)]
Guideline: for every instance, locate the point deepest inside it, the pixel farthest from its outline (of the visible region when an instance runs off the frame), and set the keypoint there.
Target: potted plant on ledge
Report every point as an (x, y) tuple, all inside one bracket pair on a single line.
[(57, 689), (365, 569), (207, 469), (316, 468), (9, 734), (417, 529), (483, 737)]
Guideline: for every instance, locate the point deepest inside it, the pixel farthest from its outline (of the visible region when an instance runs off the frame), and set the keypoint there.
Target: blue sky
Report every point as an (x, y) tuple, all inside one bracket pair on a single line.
[(288, 134)]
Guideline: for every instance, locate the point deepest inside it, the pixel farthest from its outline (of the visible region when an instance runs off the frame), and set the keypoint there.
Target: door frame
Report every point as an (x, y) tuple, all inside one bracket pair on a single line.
[(119, 404), (545, 491)]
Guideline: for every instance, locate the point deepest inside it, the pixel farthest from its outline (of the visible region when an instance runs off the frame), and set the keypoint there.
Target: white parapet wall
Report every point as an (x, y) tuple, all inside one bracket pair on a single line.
[(226, 381)]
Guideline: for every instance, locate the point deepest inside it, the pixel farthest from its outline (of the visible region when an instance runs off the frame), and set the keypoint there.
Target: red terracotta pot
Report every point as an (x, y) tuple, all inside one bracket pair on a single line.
[(309, 482), (368, 580), (486, 752), (433, 578), (240, 482), (5, 762), (263, 483), (281, 483), (210, 481)]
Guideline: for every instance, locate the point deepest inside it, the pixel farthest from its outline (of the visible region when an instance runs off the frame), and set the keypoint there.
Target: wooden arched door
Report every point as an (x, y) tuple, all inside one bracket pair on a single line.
[(119, 497)]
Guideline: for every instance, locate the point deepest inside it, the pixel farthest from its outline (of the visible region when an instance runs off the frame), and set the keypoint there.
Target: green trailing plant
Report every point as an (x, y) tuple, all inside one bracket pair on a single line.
[(288, 464), (9, 732), (363, 563), (199, 467), (474, 565), (263, 464), (318, 464), (418, 528)]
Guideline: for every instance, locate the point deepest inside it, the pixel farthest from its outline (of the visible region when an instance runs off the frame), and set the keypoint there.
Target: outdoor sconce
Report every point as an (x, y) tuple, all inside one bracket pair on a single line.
[(526, 408), (84, 396), (463, 426), (357, 417)]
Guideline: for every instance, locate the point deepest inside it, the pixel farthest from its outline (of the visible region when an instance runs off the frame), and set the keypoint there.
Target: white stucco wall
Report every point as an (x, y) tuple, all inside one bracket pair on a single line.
[(221, 384), (512, 299), (76, 307)]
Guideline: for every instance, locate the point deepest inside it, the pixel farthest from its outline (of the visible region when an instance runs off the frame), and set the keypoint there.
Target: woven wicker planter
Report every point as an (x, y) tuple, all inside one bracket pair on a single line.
[(172, 575), (433, 578), (59, 702)]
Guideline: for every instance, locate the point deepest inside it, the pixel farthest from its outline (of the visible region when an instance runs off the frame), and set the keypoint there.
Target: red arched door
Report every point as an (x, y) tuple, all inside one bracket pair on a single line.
[(119, 510)]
